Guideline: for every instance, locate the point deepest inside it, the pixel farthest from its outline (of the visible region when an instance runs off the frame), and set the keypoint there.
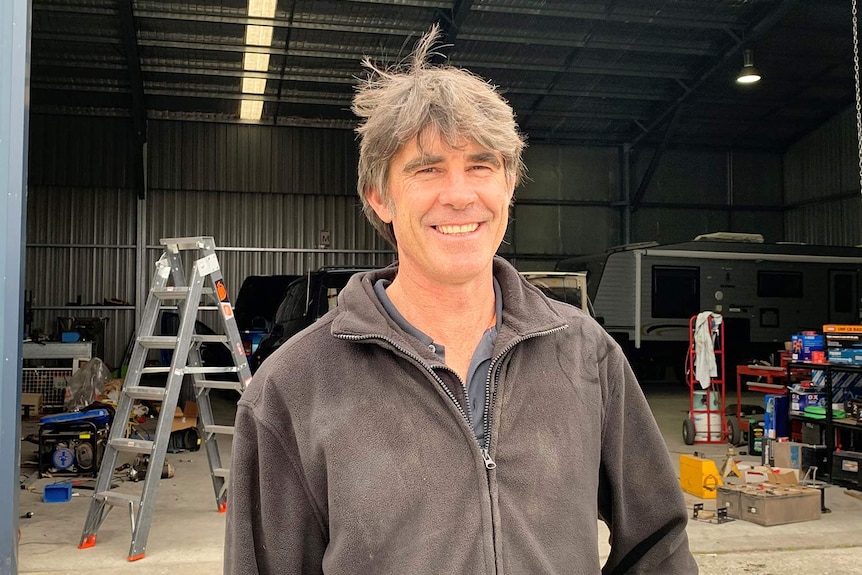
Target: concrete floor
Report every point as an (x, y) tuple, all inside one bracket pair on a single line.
[(187, 531)]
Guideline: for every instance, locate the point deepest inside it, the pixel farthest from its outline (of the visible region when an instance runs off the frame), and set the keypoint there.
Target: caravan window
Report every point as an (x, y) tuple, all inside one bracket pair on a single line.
[(779, 284), (675, 291)]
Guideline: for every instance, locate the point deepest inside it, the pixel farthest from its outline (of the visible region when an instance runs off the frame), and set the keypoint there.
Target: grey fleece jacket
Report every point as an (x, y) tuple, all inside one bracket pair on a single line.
[(351, 455)]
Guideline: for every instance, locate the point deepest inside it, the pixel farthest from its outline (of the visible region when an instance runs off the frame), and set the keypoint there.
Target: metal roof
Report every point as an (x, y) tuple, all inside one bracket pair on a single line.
[(595, 72)]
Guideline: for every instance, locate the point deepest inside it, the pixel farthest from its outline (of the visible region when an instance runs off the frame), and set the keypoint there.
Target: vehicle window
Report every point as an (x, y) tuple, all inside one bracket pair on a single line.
[(294, 304), (675, 291), (779, 284)]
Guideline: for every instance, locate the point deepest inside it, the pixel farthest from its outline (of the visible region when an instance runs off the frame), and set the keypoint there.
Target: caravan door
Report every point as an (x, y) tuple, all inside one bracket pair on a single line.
[(843, 300)]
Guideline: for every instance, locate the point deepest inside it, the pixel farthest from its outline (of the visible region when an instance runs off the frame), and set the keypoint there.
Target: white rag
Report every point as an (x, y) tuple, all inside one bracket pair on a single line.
[(704, 352)]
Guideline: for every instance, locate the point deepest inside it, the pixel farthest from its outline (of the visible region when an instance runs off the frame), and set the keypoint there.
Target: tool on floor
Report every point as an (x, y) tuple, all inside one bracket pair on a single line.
[(730, 465), (170, 285), (720, 516)]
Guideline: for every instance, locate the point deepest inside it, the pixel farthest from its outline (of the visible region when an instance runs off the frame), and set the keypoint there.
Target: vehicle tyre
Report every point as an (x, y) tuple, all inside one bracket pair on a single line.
[(688, 431), (734, 433)]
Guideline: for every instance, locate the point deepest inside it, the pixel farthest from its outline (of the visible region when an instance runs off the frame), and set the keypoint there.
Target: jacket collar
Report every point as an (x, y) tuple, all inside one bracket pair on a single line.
[(526, 310)]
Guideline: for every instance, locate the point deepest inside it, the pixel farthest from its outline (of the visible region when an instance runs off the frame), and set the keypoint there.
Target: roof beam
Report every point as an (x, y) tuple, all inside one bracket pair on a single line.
[(139, 111), (766, 23), (450, 22)]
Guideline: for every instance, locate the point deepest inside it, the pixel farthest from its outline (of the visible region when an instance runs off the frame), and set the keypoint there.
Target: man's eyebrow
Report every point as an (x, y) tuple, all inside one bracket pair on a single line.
[(485, 158), (421, 161)]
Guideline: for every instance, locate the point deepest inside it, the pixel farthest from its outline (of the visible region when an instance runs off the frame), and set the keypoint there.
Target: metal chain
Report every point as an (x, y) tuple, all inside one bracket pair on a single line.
[(858, 102)]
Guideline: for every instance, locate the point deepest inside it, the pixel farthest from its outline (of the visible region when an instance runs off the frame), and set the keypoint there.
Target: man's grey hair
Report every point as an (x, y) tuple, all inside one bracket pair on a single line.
[(398, 103)]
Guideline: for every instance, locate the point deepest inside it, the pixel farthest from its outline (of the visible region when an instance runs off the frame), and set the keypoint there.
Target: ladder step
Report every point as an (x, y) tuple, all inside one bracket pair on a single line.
[(114, 498), (163, 369), (215, 384), (171, 293), (189, 243), (158, 341), (128, 445), (145, 392), (170, 341), (223, 429), (226, 369), (221, 472), (189, 369)]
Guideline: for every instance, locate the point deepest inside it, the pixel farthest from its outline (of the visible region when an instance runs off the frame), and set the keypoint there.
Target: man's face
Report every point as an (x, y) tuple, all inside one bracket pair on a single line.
[(448, 207)]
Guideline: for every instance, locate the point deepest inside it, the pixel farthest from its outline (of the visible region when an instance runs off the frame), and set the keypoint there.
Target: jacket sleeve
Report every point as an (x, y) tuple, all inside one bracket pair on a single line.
[(639, 495), (272, 526)]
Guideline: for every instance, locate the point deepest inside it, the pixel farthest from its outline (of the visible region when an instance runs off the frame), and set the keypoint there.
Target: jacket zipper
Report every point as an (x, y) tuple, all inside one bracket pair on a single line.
[(486, 416), (485, 449), (429, 369)]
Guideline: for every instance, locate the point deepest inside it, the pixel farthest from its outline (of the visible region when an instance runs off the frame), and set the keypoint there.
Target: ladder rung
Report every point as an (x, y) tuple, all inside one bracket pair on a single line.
[(177, 292), (210, 338), (114, 498), (223, 429), (170, 341), (221, 472), (189, 243), (225, 369), (163, 369), (215, 384), (128, 445), (158, 341), (145, 392)]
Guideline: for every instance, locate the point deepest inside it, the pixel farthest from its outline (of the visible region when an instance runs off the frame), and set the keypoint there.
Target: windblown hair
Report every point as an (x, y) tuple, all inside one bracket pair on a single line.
[(398, 103)]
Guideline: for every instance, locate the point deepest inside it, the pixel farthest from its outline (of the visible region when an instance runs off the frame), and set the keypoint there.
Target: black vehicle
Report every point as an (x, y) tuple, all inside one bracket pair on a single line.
[(256, 305), (308, 298)]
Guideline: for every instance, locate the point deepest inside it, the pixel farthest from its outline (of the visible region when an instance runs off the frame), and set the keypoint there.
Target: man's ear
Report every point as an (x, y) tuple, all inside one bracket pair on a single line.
[(378, 204)]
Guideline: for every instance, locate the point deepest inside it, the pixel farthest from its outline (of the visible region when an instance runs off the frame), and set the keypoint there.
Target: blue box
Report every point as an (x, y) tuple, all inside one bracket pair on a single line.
[(799, 401), (57, 492), (801, 346), (844, 355), (775, 420)]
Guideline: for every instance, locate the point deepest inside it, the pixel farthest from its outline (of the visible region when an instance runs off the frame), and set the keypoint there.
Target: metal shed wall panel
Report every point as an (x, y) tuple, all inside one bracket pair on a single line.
[(197, 156), (821, 180), (570, 173), (80, 215), (77, 151)]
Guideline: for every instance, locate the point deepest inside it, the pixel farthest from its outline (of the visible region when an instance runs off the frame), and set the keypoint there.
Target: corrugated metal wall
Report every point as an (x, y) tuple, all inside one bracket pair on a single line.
[(821, 180), (697, 192), (265, 193)]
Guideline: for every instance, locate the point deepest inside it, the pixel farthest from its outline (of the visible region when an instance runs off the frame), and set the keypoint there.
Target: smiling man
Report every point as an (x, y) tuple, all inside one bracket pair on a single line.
[(446, 417)]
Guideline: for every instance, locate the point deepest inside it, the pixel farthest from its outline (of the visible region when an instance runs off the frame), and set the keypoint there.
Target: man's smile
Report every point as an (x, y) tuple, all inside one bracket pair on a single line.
[(457, 229)]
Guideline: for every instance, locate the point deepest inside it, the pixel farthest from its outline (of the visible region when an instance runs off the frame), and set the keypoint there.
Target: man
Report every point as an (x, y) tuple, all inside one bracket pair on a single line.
[(447, 418)]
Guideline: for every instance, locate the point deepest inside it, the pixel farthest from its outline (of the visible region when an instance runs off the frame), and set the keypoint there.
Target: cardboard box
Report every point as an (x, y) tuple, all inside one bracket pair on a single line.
[(841, 328), (803, 344), (777, 505), (33, 401), (787, 454), (844, 356), (799, 401), (185, 418)]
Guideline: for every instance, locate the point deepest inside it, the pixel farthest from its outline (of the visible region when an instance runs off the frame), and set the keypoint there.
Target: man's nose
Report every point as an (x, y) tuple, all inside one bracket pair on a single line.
[(458, 191)]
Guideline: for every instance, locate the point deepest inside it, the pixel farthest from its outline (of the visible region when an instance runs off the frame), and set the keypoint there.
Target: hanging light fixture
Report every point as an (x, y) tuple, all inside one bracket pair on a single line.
[(748, 74)]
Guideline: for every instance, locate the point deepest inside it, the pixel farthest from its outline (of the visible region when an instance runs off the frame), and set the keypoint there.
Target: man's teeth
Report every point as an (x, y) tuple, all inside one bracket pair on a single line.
[(463, 229)]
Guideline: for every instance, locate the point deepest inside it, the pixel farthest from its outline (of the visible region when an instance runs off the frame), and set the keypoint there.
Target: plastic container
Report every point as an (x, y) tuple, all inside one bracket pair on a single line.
[(57, 492)]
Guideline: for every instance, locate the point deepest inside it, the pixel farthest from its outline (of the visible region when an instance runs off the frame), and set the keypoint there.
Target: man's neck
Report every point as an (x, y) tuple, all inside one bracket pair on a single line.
[(445, 311)]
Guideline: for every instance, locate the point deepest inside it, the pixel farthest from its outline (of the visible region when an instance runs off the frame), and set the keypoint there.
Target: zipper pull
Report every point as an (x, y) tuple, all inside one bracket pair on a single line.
[(486, 457)]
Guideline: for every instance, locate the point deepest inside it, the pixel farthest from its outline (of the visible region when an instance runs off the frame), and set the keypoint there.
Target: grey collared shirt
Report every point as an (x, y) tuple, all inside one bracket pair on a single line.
[(477, 373)]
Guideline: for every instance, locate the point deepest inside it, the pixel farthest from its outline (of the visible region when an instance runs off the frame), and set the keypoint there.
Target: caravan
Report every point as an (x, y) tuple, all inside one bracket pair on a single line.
[(646, 293)]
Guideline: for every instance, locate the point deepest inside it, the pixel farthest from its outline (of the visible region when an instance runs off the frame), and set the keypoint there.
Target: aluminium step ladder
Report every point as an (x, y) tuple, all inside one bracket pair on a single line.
[(170, 285)]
